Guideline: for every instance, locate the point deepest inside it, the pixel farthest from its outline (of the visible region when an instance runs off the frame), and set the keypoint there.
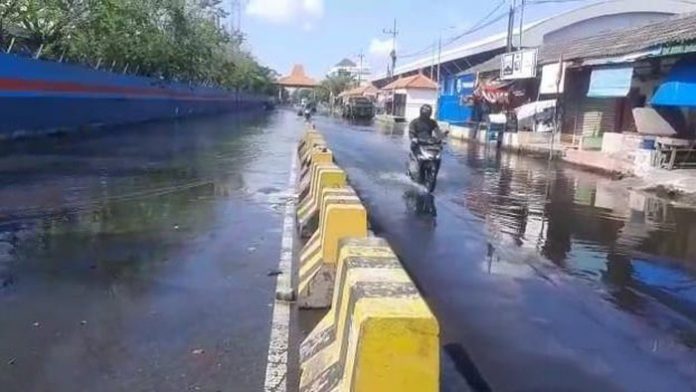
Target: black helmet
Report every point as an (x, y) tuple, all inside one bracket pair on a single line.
[(426, 111)]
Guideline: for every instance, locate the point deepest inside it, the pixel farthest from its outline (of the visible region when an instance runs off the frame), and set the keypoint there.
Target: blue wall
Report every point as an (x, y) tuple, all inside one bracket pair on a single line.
[(38, 95), (454, 89)]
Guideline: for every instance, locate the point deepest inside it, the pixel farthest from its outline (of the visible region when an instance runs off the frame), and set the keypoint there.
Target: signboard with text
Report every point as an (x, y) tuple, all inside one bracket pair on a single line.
[(519, 65)]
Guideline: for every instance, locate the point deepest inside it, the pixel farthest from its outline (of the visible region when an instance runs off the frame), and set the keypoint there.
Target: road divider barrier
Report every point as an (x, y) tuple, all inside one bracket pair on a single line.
[(378, 334), (318, 156), (324, 175)]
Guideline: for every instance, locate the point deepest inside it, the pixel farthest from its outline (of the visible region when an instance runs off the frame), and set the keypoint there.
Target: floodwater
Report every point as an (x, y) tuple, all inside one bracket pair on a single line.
[(543, 277), (138, 258)]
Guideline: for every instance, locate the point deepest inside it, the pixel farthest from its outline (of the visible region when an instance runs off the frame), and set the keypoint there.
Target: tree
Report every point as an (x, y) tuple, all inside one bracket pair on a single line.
[(177, 40), (334, 85)]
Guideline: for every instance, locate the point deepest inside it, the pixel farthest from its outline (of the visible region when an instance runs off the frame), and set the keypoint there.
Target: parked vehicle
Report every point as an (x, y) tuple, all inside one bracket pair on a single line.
[(358, 108)]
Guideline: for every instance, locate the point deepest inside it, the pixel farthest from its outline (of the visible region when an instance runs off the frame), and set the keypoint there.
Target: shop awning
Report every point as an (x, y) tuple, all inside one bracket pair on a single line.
[(610, 82), (679, 89)]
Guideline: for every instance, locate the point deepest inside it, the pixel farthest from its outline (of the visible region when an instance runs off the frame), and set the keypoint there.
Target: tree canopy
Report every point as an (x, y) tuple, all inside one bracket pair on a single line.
[(334, 85), (177, 40)]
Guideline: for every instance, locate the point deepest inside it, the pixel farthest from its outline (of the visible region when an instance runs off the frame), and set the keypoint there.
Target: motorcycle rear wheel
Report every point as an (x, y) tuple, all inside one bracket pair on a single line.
[(429, 179)]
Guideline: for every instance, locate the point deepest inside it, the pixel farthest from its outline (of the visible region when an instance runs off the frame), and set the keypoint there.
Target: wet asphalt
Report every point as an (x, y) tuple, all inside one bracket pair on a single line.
[(543, 277), (138, 259)]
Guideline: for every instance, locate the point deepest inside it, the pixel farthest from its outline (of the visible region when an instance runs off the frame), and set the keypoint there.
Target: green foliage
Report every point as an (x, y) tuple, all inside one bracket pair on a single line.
[(176, 40), (334, 85)]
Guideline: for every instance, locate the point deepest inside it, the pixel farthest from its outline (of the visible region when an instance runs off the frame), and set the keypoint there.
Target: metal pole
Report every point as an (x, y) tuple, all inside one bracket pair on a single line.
[(511, 23), (98, 63), (38, 52), (521, 21), (360, 69), (559, 76), (62, 55), (393, 32), (9, 48), (439, 57)]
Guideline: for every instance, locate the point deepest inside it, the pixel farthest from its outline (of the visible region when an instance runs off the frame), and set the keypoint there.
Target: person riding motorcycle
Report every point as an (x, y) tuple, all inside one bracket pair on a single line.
[(423, 127)]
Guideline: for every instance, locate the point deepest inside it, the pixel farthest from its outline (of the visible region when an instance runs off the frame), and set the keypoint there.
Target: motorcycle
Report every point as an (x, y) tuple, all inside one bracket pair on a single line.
[(424, 162), (307, 114)]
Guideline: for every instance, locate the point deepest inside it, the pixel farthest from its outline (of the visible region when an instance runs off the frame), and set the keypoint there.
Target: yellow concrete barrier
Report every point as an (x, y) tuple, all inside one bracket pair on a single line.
[(309, 222), (318, 155), (306, 137), (305, 150), (324, 175), (379, 334), (339, 219)]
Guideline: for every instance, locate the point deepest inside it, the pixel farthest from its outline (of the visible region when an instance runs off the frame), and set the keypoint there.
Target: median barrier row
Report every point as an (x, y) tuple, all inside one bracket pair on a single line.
[(378, 334)]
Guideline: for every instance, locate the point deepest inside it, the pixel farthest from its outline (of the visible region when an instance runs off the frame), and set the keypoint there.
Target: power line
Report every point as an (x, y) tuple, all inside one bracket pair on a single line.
[(481, 23)]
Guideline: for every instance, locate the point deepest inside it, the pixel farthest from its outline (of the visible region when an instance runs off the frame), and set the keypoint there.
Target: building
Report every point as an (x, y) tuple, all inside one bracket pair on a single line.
[(454, 75), (360, 72), (405, 96)]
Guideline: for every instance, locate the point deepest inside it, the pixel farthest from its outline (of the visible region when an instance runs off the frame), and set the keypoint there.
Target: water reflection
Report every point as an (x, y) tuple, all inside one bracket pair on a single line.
[(149, 187), (641, 248), (420, 203)]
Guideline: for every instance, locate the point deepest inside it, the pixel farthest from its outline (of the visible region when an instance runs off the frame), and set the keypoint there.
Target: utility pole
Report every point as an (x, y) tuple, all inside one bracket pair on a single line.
[(236, 15), (361, 56), (511, 23), (439, 57), (393, 32), (521, 21)]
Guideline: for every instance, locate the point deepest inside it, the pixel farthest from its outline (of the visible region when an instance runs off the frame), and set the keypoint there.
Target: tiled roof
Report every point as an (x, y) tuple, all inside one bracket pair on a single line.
[(345, 63), (415, 81), (368, 89), (675, 30), (671, 31), (297, 78)]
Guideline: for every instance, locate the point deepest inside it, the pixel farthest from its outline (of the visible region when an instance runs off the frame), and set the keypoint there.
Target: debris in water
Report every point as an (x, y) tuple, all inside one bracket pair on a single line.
[(12, 361), (274, 273), (176, 227), (83, 322), (198, 351), (37, 324), (251, 249)]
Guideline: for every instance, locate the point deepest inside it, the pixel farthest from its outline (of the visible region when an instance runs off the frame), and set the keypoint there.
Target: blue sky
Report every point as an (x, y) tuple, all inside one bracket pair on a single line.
[(319, 33)]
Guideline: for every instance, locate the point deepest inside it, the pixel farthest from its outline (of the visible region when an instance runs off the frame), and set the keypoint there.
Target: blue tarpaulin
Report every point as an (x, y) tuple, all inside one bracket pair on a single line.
[(610, 82), (679, 88)]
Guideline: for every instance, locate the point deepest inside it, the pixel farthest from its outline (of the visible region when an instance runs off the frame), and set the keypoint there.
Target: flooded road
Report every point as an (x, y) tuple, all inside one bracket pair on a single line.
[(138, 259), (543, 277)]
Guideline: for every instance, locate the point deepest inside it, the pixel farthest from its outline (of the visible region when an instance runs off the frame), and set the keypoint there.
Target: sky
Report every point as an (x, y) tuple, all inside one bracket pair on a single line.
[(319, 33)]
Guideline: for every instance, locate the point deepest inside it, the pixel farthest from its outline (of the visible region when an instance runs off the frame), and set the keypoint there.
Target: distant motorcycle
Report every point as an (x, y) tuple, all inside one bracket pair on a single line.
[(307, 114), (424, 165)]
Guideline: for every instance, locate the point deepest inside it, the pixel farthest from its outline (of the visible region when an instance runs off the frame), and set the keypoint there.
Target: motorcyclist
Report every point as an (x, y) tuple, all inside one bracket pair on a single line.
[(307, 111), (423, 128)]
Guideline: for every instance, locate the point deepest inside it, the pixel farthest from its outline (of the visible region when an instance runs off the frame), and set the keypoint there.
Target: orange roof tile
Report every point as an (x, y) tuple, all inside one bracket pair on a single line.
[(415, 81), (297, 78), (368, 89)]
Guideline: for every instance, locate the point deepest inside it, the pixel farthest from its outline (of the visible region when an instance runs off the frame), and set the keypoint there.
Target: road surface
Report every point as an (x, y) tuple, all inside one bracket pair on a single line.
[(542, 277)]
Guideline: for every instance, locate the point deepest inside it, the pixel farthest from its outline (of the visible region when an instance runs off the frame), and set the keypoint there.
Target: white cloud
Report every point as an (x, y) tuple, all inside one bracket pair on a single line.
[(314, 7), (380, 47), (286, 11)]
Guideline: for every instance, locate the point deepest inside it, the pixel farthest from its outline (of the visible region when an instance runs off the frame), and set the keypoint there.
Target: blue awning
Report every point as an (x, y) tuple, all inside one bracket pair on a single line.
[(679, 88), (610, 82)]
